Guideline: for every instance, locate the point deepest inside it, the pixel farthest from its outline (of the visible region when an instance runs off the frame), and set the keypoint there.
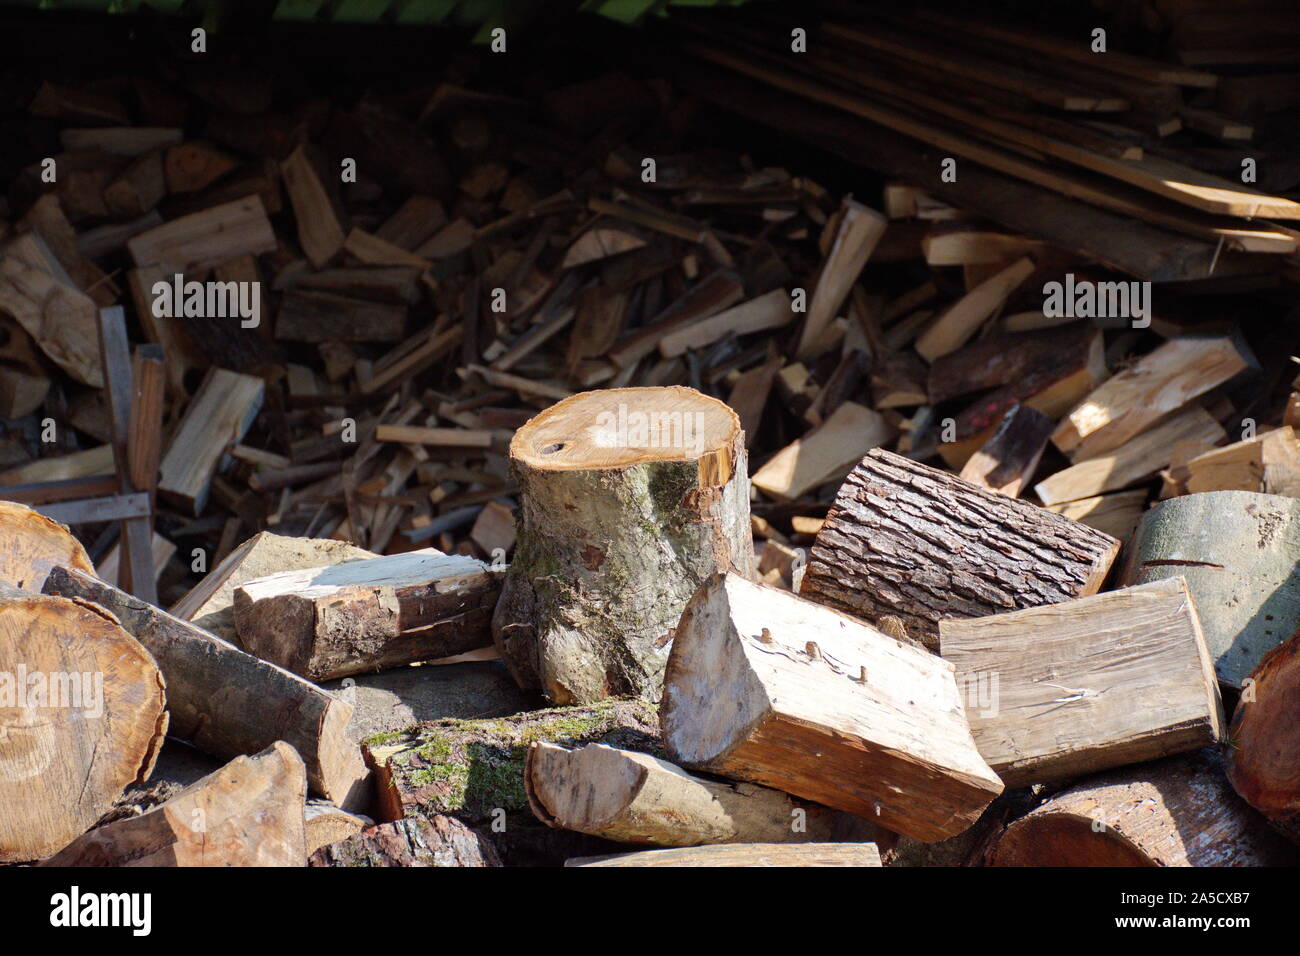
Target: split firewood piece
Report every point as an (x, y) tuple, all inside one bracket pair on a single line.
[(204, 240), (1267, 463), (248, 813), (1265, 739), (218, 416), (955, 325), (1009, 459), (366, 616), (964, 245), (1073, 688), (1156, 385), (634, 797), (860, 229), (918, 544), (211, 602), (122, 140), (1116, 515), (226, 702), (326, 824), (605, 478), (190, 167), (766, 687), (33, 545), (745, 854), (1237, 551), (769, 311), (606, 238), (64, 321), (138, 188), (319, 231), (1178, 811), (825, 453), (416, 841), (1139, 458), (81, 718)]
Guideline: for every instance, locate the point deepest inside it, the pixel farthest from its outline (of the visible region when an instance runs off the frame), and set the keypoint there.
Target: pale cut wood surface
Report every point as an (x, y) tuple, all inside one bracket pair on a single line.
[(765, 687), (33, 544), (1116, 514), (81, 718), (248, 813), (769, 311), (824, 453), (319, 231), (1157, 385), (860, 230), (1267, 463), (1073, 688), (1264, 762), (632, 797), (206, 239), (745, 854), (955, 325)]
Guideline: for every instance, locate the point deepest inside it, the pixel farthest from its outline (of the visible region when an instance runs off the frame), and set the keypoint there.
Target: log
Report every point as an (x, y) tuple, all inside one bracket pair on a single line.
[(1086, 685), (1267, 463), (1155, 386), (766, 687), (1237, 551), (1265, 738), (911, 542), (629, 499), (33, 545), (83, 718), (211, 603), (1178, 811), (440, 841), (226, 702), (631, 797), (218, 416), (366, 616), (248, 813), (326, 824), (745, 854)]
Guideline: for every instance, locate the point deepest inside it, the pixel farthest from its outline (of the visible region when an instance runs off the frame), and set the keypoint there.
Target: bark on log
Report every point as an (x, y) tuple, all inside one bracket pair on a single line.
[(227, 702), (918, 544), (745, 854), (1264, 762), (248, 813), (1237, 550), (766, 687), (633, 797), (81, 718), (1116, 678), (440, 841), (1178, 811), (366, 616), (629, 498), (211, 603), (33, 545)]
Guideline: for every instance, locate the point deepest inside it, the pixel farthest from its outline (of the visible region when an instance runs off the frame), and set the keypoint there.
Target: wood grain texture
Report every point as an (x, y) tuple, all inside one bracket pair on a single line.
[(765, 687), (1086, 685), (33, 545), (745, 854), (1264, 762), (911, 542)]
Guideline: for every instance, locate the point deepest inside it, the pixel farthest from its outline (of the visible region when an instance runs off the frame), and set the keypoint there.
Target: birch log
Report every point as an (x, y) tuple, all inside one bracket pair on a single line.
[(765, 687), (629, 499), (908, 541), (1178, 811), (631, 797)]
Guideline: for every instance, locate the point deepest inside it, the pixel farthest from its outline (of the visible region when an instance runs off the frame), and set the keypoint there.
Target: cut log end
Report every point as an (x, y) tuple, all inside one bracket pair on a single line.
[(1264, 763), (35, 544)]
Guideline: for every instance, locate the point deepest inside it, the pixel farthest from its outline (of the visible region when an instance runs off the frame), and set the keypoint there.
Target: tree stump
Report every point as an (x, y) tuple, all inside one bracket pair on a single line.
[(81, 718), (1237, 550), (1178, 811), (1264, 762), (629, 499)]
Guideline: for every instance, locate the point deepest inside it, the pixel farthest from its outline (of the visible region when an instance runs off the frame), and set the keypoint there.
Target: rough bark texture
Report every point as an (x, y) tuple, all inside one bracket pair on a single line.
[(248, 813), (227, 702), (908, 541), (745, 854), (765, 687), (633, 797), (81, 718), (417, 841), (615, 533), (33, 544), (1113, 679), (474, 770), (1238, 552), (1178, 811), (1264, 762)]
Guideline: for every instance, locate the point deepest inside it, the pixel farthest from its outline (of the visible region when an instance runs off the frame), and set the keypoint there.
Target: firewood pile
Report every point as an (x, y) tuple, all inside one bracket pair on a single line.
[(811, 516)]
